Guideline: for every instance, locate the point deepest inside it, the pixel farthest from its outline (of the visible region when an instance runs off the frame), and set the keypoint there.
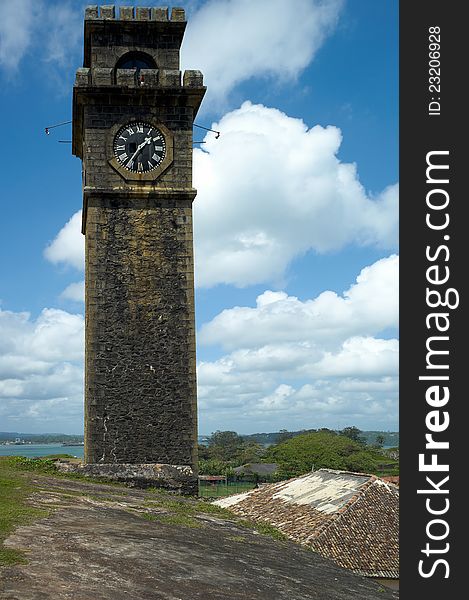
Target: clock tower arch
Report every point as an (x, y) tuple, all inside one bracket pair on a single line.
[(133, 115)]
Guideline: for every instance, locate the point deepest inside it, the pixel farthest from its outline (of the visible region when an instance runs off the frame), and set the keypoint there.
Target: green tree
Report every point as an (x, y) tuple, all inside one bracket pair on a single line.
[(379, 440), (251, 453), (353, 433), (225, 445), (322, 449), (284, 435)]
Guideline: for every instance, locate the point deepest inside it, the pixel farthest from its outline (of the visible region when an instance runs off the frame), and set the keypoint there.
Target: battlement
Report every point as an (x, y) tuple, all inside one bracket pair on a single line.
[(130, 78), (129, 13)]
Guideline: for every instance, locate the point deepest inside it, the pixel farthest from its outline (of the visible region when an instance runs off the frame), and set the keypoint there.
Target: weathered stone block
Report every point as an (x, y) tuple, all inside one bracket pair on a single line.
[(178, 14), (91, 12), (126, 13), (126, 77), (179, 478), (169, 78), (159, 14), (193, 79), (108, 11), (83, 77), (142, 13), (101, 76)]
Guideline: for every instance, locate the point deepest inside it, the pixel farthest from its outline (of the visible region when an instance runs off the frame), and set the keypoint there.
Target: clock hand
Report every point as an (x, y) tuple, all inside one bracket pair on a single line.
[(131, 160)]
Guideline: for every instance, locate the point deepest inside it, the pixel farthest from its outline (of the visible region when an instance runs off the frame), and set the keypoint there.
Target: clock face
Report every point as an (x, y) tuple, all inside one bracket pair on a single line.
[(139, 147)]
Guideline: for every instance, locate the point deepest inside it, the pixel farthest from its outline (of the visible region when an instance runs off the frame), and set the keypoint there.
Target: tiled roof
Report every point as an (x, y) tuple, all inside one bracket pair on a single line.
[(351, 518)]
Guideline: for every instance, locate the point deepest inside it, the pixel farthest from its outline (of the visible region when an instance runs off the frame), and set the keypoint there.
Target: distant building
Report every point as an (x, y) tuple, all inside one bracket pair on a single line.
[(351, 518)]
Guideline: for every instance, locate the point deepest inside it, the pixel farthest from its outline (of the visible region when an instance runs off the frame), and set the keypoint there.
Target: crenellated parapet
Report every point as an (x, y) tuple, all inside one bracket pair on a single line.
[(131, 78), (130, 13), (156, 32)]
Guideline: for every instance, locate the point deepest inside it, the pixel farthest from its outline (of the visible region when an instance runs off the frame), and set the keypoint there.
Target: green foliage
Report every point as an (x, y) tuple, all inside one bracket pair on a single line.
[(379, 441), (353, 433), (251, 453), (215, 467), (225, 445), (322, 449), (222, 490), (39, 465), (264, 528), (226, 450)]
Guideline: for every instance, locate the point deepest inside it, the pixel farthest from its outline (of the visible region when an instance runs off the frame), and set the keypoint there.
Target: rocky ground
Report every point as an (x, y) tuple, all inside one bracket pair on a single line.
[(109, 542)]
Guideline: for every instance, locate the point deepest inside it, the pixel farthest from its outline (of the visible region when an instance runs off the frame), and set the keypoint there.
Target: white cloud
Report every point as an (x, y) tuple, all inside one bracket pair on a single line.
[(269, 190), (16, 25), (53, 30), (75, 292), (68, 247), (231, 41), (369, 306), (315, 363), (41, 370), (64, 23)]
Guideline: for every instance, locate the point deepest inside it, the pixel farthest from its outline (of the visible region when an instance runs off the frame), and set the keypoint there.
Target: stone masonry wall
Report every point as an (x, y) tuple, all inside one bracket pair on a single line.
[(140, 340)]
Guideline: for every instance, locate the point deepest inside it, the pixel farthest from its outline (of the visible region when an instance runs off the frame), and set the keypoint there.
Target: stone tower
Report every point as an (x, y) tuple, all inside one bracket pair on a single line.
[(132, 129)]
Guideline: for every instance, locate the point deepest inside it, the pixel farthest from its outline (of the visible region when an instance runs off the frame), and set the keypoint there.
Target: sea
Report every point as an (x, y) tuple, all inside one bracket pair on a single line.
[(46, 449), (40, 450)]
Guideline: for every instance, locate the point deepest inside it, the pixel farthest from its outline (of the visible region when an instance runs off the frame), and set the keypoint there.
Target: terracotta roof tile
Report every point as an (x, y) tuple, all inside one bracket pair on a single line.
[(352, 518)]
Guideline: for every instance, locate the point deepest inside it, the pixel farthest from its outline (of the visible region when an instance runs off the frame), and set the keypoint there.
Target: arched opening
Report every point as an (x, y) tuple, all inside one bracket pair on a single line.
[(136, 60)]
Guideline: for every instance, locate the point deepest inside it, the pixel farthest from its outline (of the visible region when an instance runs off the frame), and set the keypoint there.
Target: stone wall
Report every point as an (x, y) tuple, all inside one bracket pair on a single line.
[(140, 339)]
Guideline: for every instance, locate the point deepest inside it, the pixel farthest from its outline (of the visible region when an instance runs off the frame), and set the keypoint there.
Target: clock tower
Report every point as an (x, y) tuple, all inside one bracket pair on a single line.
[(133, 115)]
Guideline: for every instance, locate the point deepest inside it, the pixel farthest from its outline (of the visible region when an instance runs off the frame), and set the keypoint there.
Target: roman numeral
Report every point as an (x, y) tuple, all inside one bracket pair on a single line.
[(130, 131), (158, 137), (140, 167), (120, 148), (150, 165), (156, 157), (130, 164), (123, 157), (159, 148), (139, 129), (121, 137)]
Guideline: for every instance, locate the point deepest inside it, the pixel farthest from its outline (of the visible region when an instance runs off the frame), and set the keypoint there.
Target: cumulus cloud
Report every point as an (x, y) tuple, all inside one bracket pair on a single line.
[(68, 247), (369, 306), (53, 30), (316, 362), (271, 189), (41, 370), (231, 41)]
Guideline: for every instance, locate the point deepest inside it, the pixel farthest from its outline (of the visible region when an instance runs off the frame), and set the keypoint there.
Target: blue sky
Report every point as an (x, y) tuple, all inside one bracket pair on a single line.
[(295, 220)]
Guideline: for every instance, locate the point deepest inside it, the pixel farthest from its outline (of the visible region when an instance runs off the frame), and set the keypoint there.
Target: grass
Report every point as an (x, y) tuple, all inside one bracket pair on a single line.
[(220, 491), (16, 475), (15, 487), (263, 528)]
